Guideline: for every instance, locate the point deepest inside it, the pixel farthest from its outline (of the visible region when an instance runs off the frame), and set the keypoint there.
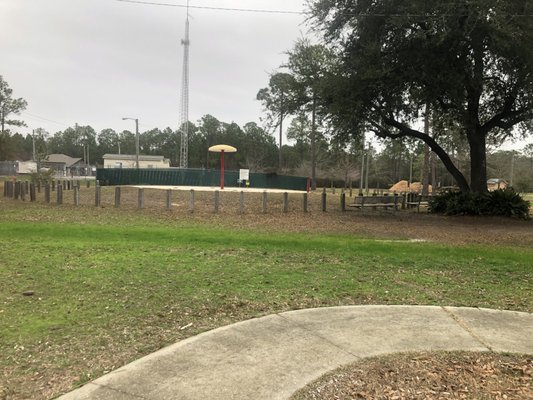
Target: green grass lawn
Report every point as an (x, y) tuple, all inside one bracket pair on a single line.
[(109, 291)]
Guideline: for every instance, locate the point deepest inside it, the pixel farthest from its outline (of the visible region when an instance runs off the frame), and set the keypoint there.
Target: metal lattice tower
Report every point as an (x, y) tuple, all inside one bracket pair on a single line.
[(184, 107)]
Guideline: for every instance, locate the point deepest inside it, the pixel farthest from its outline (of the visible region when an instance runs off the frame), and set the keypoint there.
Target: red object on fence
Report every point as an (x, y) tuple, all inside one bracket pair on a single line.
[(308, 188)]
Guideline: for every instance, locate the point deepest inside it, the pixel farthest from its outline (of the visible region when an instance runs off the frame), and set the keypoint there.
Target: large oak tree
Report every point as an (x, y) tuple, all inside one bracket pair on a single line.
[(469, 61)]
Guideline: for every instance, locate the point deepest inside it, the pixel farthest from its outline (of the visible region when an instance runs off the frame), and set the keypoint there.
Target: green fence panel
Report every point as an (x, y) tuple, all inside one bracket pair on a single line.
[(196, 177)]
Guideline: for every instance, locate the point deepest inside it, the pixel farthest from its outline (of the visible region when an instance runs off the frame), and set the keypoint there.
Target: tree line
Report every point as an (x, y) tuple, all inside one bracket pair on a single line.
[(387, 164)]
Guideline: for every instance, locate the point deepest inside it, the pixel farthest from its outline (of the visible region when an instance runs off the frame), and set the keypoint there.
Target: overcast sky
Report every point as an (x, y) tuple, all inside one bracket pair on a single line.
[(93, 62), (96, 61)]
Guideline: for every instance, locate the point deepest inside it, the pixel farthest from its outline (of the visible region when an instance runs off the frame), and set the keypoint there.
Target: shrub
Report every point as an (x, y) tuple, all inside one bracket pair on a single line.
[(43, 177), (504, 202), (508, 203)]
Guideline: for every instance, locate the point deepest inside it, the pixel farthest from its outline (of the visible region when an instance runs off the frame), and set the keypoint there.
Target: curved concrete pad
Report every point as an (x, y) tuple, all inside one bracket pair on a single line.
[(273, 356)]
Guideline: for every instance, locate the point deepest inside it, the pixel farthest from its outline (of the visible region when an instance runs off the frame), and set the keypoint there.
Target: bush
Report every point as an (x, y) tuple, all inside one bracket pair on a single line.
[(503, 202), (508, 203), (44, 176)]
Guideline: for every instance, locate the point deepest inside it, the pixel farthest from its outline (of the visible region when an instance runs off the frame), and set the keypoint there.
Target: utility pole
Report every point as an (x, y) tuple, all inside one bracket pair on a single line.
[(280, 130), (88, 145), (33, 144), (362, 174), (512, 170), (137, 143), (136, 139), (184, 107), (367, 168), (410, 172)]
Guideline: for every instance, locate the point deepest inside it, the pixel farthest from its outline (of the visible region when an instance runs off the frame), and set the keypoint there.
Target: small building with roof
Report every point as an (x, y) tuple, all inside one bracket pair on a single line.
[(65, 165), (129, 161), (496, 183)]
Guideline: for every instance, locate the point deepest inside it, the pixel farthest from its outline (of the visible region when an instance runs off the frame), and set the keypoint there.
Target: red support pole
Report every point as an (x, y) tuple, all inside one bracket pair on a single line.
[(222, 169), (308, 185)]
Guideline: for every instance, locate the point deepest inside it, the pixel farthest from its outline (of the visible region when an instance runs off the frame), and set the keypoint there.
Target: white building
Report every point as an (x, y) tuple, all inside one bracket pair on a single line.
[(129, 161), (26, 167)]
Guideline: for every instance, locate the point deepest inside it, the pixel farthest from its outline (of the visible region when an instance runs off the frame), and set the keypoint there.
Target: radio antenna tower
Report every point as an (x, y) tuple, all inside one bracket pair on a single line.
[(184, 107)]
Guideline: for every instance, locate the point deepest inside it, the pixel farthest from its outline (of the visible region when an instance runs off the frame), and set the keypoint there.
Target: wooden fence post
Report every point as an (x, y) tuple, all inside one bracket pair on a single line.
[(53, 185), (76, 196), (265, 201), (343, 202), (69, 185), (87, 183), (191, 201), (117, 196), (217, 200), (305, 202), (5, 188), (47, 193), (324, 204), (23, 191), (38, 186), (241, 202), (97, 196), (59, 193), (169, 199), (285, 202), (140, 200), (16, 191), (32, 192)]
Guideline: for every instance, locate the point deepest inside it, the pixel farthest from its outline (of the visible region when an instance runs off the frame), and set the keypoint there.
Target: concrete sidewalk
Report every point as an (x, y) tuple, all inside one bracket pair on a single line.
[(272, 357)]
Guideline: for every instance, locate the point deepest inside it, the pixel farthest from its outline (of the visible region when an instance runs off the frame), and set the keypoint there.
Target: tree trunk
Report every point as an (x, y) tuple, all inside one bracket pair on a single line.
[(433, 168), (425, 168), (478, 163), (313, 145), (425, 172)]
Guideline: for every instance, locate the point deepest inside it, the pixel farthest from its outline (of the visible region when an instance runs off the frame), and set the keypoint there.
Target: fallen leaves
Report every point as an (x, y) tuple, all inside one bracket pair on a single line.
[(429, 376)]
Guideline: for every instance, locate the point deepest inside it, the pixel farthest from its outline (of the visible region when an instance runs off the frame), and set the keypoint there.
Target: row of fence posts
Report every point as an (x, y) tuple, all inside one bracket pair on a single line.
[(192, 199), (19, 190)]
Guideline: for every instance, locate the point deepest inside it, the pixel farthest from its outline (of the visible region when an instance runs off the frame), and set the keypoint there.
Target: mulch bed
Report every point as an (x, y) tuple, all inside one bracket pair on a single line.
[(457, 375)]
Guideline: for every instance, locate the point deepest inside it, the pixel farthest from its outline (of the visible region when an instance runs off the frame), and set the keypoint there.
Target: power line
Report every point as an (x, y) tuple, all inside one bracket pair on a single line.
[(303, 13), (212, 8), (43, 118)]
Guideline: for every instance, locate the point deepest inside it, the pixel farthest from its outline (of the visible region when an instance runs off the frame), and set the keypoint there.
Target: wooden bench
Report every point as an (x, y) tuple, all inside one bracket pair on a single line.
[(384, 201), (417, 200)]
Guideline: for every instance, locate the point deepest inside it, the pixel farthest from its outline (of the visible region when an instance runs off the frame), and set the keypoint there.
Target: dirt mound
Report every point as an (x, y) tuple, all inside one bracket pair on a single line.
[(403, 187)]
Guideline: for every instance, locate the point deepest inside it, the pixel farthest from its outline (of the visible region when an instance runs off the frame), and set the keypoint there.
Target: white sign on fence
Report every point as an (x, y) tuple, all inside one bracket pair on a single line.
[(244, 174)]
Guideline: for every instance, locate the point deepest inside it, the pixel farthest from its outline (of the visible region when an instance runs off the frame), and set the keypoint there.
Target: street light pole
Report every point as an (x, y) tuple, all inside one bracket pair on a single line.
[(136, 139)]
